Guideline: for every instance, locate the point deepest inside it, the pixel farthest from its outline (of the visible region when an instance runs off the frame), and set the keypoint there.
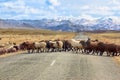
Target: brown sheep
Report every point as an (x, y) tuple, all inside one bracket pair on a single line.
[(91, 46), (56, 45), (101, 48), (111, 49), (118, 50), (67, 45), (3, 51), (28, 45), (9, 50)]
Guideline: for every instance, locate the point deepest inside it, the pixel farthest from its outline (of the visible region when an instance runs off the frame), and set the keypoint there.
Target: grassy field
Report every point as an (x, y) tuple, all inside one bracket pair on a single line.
[(108, 36), (20, 35)]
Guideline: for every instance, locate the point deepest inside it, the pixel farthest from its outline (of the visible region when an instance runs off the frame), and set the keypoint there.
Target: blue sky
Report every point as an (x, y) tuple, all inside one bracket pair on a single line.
[(38, 9)]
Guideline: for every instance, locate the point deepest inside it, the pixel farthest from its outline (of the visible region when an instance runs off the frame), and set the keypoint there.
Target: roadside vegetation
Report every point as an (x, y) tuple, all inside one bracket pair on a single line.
[(20, 35), (106, 36)]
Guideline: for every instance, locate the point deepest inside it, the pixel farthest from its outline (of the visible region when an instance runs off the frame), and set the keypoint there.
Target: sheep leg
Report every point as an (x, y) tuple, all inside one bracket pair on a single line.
[(28, 50), (101, 53), (32, 50), (37, 51), (113, 54), (108, 53)]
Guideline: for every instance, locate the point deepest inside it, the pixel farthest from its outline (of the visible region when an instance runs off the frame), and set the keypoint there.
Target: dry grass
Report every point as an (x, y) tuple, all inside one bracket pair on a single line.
[(110, 37), (20, 35)]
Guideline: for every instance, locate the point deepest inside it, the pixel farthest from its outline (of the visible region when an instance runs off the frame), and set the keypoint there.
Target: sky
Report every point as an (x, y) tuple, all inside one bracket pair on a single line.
[(38, 9)]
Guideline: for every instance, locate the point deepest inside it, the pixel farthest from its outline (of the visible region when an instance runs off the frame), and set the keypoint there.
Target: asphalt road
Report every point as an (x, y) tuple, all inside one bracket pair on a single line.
[(58, 66)]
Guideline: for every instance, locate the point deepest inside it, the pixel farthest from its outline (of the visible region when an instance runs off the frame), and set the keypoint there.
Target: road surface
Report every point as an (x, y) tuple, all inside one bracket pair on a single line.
[(58, 66)]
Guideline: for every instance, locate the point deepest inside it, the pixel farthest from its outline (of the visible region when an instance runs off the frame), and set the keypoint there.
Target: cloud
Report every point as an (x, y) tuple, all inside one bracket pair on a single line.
[(5, 0), (116, 8), (29, 10), (114, 2), (89, 7), (99, 12), (53, 2), (21, 16), (19, 9), (85, 7), (103, 8), (86, 16), (17, 6), (52, 7), (55, 8)]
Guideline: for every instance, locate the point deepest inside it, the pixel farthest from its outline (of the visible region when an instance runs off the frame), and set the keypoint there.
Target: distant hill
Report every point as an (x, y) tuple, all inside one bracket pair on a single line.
[(63, 24)]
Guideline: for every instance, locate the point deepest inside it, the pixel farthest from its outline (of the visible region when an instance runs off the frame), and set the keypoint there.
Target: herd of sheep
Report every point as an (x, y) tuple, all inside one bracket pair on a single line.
[(8, 48), (78, 46)]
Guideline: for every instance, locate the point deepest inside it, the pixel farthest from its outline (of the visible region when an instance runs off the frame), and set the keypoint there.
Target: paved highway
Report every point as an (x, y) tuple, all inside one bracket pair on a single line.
[(58, 66)]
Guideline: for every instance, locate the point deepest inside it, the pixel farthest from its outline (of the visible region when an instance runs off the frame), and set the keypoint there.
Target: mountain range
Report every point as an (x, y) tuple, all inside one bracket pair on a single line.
[(74, 25)]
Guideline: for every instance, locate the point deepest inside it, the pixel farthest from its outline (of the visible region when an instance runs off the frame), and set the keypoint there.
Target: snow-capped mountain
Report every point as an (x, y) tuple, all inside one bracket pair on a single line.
[(83, 24)]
